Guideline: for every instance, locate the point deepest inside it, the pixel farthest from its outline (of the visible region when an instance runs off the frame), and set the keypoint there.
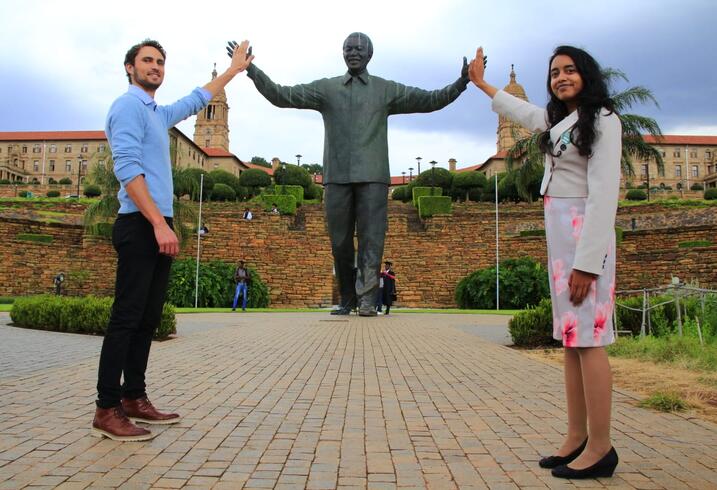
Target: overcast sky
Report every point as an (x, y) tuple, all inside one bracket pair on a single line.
[(62, 62)]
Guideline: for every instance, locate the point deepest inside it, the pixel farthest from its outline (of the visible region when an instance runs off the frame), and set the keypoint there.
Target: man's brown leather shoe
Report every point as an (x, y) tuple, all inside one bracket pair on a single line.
[(113, 423), (142, 410)]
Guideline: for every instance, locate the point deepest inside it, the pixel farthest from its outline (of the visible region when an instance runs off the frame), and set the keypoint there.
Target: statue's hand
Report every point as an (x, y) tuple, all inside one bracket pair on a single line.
[(464, 71)]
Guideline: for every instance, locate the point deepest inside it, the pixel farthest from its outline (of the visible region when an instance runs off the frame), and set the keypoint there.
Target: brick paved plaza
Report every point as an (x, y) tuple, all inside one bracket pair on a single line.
[(307, 400)]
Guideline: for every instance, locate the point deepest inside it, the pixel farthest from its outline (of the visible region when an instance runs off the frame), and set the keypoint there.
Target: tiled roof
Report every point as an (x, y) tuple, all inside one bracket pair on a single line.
[(268, 170), (51, 135), (673, 139), (217, 152)]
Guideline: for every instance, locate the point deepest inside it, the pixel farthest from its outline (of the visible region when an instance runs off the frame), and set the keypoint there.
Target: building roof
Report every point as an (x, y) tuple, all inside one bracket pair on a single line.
[(674, 139), (218, 152), (268, 170), (51, 135)]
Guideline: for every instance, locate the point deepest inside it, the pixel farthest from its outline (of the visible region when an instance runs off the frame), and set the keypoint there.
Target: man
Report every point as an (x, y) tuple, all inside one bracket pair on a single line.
[(247, 215), (355, 108), (142, 235), (241, 278)]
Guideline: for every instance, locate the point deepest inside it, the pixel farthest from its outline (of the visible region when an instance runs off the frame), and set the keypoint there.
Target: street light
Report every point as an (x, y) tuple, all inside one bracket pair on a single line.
[(298, 159), (410, 174), (418, 159), (433, 174), (403, 176), (79, 174), (283, 177)]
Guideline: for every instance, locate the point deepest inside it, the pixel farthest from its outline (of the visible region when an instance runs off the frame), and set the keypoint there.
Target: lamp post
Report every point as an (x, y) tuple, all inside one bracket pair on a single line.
[(283, 177), (79, 174), (403, 176), (647, 181), (433, 174), (418, 159), (410, 174), (298, 159)]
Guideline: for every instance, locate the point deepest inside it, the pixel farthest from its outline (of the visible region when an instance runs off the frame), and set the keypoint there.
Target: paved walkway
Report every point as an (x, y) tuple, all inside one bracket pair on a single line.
[(311, 401)]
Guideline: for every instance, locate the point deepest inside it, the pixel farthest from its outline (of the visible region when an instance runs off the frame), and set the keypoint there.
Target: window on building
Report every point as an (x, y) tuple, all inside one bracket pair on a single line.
[(693, 153), (661, 171), (68, 165), (676, 153), (210, 112), (678, 170), (643, 170), (53, 148), (16, 162), (36, 165), (84, 148), (68, 148), (52, 165), (101, 163), (708, 154), (206, 143), (22, 164), (36, 148), (24, 148), (216, 165), (663, 153), (101, 148), (695, 171)]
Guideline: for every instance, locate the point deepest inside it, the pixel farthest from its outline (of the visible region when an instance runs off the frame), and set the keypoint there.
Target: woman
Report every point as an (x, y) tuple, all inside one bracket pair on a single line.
[(389, 285), (581, 137)]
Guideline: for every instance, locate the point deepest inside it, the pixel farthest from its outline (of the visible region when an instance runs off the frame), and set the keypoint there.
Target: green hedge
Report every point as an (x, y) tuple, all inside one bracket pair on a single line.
[(92, 190), (216, 285), (432, 205), (285, 202), (34, 237), (635, 195), (293, 190), (223, 192), (399, 193), (523, 282), (88, 315), (532, 233), (711, 194), (695, 243), (417, 192), (533, 327), (53, 194)]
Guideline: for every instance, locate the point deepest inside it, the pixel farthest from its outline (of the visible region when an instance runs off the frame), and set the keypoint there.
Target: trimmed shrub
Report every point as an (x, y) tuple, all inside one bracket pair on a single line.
[(432, 205), (89, 315), (293, 190), (223, 177), (465, 182), (399, 193), (5, 182), (441, 178), (188, 184), (475, 194), (532, 233), (417, 192), (293, 175), (697, 187), (34, 237), (523, 282), (533, 327), (695, 243), (92, 190), (711, 194), (223, 192), (53, 194), (216, 285), (253, 179), (636, 195), (51, 181), (314, 192), (24, 194), (286, 203), (65, 181)]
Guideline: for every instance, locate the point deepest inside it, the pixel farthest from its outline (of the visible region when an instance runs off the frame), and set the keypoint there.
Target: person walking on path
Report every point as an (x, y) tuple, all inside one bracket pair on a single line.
[(355, 108), (241, 278), (581, 137), (142, 235)]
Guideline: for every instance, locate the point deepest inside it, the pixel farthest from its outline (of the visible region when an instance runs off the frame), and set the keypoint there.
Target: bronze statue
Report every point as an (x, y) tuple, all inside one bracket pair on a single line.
[(355, 108)]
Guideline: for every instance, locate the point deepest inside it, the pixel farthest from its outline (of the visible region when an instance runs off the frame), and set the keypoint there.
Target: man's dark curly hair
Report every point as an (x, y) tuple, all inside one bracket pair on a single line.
[(132, 53)]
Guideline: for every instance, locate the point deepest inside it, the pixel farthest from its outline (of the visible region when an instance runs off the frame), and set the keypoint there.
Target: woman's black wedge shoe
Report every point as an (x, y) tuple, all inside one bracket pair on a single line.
[(555, 461), (602, 469)]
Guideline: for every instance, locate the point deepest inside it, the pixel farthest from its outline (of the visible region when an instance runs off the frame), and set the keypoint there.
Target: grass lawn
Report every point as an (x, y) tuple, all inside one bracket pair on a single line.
[(393, 310)]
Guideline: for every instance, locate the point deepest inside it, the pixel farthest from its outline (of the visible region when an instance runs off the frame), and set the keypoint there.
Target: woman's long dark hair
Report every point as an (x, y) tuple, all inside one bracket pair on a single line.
[(591, 100)]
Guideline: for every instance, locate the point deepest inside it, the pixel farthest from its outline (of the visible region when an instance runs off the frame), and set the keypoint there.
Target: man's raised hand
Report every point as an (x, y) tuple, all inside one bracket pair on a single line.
[(240, 54)]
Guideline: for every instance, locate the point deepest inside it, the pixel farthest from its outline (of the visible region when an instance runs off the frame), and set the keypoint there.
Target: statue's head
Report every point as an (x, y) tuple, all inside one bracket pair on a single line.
[(358, 50)]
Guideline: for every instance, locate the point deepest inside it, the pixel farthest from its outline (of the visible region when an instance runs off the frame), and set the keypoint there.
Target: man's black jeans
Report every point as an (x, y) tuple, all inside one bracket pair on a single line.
[(140, 290)]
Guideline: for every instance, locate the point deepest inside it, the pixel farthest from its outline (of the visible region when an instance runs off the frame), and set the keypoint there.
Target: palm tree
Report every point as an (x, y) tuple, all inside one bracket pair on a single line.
[(100, 215), (526, 160)]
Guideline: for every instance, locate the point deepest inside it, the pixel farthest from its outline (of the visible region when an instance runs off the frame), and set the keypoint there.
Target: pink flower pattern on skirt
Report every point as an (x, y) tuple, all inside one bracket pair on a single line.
[(589, 324)]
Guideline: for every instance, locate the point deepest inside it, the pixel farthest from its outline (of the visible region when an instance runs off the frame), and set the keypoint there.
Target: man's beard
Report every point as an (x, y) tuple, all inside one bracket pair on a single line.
[(146, 84)]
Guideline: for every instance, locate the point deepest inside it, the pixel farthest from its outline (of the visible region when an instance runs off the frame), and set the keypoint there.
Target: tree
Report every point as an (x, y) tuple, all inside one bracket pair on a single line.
[(100, 215), (260, 161), (292, 175), (526, 160), (313, 168)]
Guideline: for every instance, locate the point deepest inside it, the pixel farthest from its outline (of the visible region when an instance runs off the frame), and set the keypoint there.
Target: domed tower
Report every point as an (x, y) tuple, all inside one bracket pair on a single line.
[(212, 127), (507, 129)]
